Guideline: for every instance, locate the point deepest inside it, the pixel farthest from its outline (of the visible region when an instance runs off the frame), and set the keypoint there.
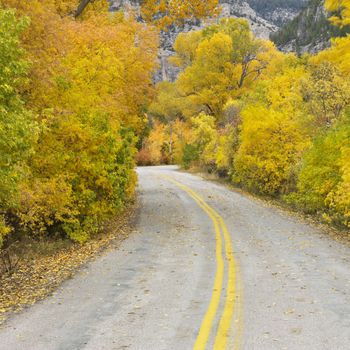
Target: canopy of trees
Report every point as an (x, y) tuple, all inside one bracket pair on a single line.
[(72, 100), (274, 123)]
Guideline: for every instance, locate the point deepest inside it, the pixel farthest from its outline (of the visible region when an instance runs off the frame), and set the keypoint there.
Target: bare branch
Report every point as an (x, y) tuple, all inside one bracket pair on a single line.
[(81, 7)]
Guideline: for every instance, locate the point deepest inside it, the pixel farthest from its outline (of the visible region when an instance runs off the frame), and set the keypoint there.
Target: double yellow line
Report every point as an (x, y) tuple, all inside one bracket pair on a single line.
[(223, 243)]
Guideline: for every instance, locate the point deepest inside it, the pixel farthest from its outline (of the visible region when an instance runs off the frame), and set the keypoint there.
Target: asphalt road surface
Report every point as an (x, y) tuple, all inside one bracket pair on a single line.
[(206, 268)]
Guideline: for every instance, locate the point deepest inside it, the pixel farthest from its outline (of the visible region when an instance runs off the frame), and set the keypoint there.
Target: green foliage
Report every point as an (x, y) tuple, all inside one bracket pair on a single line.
[(17, 130), (190, 156), (205, 138), (323, 180)]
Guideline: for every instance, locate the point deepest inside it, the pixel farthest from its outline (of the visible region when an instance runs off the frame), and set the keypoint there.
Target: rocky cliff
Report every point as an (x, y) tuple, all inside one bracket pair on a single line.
[(310, 31), (265, 17)]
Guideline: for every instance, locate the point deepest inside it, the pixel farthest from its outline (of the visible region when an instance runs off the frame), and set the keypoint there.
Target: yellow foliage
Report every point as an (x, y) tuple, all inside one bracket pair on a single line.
[(323, 180), (327, 93), (271, 143), (4, 230), (339, 200), (338, 55), (90, 81), (167, 12), (226, 148), (182, 134), (274, 122), (342, 7), (226, 61), (156, 143), (165, 143), (204, 137), (185, 47)]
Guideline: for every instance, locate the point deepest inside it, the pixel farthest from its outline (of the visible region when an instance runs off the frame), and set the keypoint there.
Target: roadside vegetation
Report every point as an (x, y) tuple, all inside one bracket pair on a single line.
[(78, 108), (275, 124), (75, 82), (72, 95)]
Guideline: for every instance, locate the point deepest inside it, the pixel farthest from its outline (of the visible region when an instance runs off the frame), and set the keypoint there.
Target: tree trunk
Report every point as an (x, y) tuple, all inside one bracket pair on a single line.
[(81, 7)]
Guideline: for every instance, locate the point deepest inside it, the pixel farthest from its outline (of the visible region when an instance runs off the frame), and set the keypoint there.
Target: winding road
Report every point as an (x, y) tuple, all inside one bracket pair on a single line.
[(205, 268)]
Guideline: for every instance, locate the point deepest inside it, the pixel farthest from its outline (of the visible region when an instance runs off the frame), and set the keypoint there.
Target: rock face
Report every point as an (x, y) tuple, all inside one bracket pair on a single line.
[(277, 12), (264, 16), (310, 31)]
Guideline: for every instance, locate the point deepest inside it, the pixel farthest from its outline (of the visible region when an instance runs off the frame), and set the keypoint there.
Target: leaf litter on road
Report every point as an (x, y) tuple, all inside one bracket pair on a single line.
[(39, 276)]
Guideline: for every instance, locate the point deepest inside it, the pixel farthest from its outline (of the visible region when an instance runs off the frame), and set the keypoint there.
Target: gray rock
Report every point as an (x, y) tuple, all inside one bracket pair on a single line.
[(262, 23)]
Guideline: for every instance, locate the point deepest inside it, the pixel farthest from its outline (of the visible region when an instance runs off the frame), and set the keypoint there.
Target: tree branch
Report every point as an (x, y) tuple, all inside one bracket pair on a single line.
[(81, 7)]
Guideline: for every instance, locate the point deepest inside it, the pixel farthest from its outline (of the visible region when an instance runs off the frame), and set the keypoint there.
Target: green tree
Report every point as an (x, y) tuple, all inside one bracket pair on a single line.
[(16, 123)]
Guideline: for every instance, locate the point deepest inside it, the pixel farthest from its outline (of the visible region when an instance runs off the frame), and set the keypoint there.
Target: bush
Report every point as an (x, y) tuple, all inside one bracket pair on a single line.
[(324, 179), (190, 155), (270, 147), (143, 157)]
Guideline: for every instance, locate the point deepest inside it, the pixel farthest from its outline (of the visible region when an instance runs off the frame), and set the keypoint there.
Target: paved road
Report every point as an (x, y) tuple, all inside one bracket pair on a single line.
[(206, 268)]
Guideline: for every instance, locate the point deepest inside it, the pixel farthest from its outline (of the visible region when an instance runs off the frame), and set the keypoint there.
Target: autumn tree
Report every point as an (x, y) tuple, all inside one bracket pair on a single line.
[(167, 108), (90, 82), (165, 12), (323, 181), (227, 59), (341, 8), (327, 93), (185, 47), (273, 133)]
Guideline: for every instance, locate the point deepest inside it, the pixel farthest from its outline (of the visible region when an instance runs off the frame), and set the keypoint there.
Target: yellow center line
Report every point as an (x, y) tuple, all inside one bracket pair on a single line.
[(226, 319), (224, 327)]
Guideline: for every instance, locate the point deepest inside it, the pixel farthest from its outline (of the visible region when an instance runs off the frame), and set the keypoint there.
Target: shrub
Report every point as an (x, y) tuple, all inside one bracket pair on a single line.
[(324, 179)]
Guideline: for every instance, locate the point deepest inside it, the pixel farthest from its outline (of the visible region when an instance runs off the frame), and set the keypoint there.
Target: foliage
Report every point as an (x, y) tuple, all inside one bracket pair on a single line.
[(204, 137), (309, 28), (90, 80), (338, 55), (154, 151), (167, 106), (277, 124), (165, 143), (323, 181), (227, 59), (185, 47), (17, 129), (165, 13), (342, 10), (190, 156), (270, 146), (327, 93)]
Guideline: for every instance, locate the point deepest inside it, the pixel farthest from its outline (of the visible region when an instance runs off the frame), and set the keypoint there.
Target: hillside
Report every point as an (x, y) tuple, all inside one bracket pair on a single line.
[(309, 31), (265, 17), (278, 12)]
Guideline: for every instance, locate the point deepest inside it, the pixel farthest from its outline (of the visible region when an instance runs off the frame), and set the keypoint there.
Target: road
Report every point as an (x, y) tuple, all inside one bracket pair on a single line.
[(206, 268)]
